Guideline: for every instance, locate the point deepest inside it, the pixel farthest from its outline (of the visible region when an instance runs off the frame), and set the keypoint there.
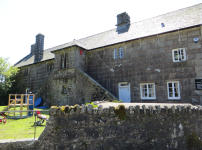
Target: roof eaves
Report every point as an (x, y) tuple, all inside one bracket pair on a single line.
[(35, 63), (67, 47), (22, 59)]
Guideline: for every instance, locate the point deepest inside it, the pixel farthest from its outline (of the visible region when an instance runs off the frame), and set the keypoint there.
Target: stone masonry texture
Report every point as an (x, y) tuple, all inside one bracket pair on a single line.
[(80, 89), (149, 60), (141, 127), (146, 60)]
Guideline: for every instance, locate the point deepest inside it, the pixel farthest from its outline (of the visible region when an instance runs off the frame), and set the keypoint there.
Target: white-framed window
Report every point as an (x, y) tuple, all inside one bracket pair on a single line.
[(120, 52), (147, 91), (173, 89), (179, 54), (115, 53)]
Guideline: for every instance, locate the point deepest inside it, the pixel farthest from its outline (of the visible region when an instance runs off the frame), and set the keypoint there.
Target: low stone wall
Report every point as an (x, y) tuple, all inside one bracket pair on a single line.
[(130, 126), (21, 144)]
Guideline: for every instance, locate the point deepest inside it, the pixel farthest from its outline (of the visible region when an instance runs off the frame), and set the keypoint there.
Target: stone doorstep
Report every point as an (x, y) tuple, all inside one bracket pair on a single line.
[(169, 105), (17, 140)]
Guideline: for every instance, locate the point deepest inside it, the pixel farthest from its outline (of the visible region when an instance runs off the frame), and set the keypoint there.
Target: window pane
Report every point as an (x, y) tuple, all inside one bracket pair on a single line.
[(182, 54), (179, 54), (115, 53), (175, 84), (149, 85), (120, 53), (173, 90), (151, 92), (170, 90), (147, 90), (64, 89), (176, 55), (143, 91), (170, 94)]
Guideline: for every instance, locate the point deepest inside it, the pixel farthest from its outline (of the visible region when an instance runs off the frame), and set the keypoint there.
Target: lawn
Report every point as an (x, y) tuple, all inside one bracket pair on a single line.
[(21, 128)]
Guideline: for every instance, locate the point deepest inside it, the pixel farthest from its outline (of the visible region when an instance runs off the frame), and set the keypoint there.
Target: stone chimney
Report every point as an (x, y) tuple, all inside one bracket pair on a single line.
[(123, 20), (39, 47), (32, 49)]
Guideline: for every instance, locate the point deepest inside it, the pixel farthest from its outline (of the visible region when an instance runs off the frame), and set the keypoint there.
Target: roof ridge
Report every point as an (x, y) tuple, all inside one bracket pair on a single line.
[(168, 13), (79, 40), (56, 46)]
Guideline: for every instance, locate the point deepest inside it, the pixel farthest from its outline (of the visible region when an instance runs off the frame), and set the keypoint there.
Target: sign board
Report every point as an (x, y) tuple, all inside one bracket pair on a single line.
[(198, 83)]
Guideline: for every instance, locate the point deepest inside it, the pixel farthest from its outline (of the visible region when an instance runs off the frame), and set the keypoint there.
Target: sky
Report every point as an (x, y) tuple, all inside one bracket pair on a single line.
[(62, 21)]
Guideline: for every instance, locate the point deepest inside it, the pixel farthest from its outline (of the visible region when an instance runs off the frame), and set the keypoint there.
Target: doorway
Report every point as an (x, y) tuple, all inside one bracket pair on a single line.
[(124, 92)]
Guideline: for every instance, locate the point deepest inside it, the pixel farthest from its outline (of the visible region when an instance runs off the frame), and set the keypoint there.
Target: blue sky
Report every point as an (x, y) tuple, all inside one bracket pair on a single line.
[(62, 21)]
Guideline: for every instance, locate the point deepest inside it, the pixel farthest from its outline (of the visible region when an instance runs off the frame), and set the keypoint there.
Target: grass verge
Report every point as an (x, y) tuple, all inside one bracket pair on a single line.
[(21, 128)]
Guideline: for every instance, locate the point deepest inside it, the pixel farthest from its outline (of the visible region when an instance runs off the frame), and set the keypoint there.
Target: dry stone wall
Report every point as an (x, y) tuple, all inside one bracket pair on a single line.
[(135, 127)]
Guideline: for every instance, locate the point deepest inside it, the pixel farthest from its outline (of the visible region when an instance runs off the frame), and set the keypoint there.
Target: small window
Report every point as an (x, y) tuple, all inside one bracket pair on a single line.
[(26, 72), (173, 90), (147, 91), (52, 66), (66, 61), (120, 53), (115, 53), (179, 55), (64, 90)]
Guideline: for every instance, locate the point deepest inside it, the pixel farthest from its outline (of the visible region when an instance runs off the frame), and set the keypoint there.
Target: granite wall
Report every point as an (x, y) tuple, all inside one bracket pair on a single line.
[(149, 60), (32, 77), (79, 88), (71, 57), (135, 127)]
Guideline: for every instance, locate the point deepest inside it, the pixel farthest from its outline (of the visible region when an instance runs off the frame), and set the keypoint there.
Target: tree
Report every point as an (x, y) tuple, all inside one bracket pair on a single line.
[(7, 72)]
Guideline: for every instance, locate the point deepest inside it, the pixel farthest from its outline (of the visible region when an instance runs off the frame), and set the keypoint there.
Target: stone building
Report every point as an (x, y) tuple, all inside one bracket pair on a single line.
[(155, 60)]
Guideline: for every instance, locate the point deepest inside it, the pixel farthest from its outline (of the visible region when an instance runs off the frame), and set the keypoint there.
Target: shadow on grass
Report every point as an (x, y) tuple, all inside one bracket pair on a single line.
[(38, 125)]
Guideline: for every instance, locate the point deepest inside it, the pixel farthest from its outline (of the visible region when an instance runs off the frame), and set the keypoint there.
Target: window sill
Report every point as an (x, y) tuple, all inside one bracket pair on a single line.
[(179, 61), (173, 99), (149, 99)]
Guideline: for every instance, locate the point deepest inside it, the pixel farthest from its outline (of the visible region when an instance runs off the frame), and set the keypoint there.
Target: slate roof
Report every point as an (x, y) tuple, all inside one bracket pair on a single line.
[(183, 18), (29, 59)]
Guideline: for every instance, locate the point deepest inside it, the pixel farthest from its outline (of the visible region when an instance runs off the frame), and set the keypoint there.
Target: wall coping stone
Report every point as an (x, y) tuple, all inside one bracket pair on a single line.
[(131, 108)]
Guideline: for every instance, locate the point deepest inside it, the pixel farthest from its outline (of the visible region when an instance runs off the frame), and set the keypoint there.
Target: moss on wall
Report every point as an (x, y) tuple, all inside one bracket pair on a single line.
[(120, 111)]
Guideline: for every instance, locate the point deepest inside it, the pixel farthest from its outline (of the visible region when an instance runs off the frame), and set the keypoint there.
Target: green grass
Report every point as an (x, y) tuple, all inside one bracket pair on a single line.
[(21, 128)]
